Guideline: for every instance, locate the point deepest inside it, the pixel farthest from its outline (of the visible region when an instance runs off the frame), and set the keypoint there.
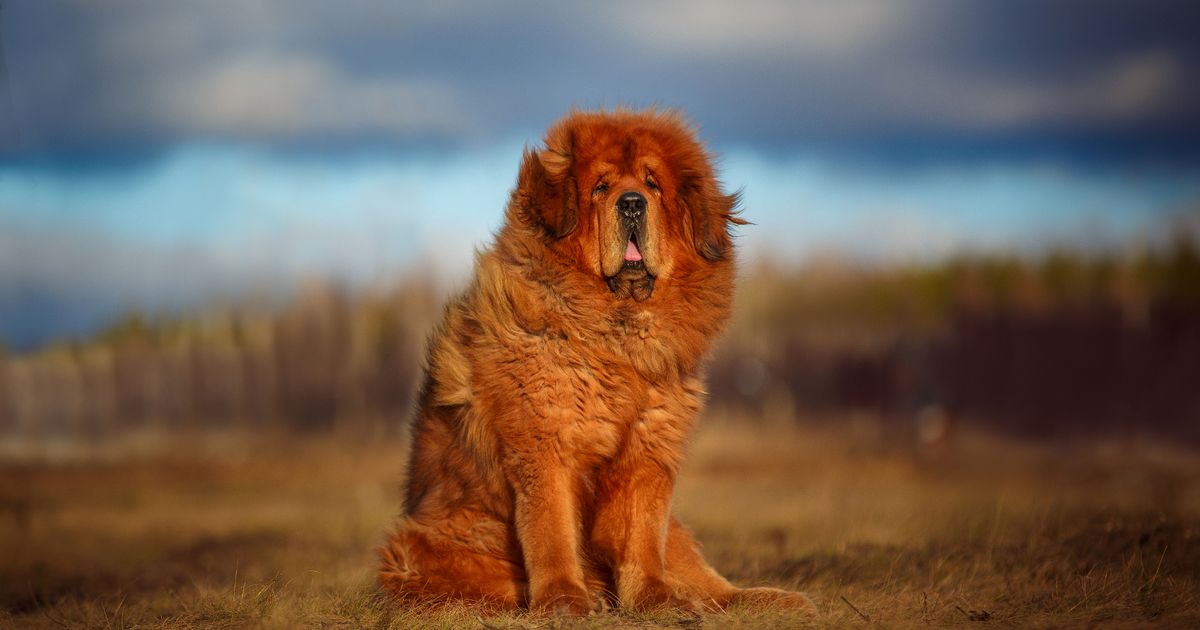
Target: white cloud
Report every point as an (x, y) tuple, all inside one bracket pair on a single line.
[(1127, 89), (1141, 85), (765, 72), (276, 94), (712, 27)]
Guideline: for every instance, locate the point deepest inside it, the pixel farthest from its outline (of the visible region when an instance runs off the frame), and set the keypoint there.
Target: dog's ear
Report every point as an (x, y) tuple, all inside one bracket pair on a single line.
[(712, 212), (547, 189)]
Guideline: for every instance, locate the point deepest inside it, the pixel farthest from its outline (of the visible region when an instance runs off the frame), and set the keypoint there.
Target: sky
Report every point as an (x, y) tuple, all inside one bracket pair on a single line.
[(162, 156)]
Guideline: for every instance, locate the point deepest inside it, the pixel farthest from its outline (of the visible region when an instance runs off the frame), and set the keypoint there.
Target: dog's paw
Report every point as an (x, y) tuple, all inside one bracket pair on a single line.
[(657, 595), (562, 598), (765, 597)]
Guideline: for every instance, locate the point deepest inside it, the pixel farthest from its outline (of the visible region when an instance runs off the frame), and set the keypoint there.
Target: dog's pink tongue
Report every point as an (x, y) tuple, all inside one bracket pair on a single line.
[(631, 252)]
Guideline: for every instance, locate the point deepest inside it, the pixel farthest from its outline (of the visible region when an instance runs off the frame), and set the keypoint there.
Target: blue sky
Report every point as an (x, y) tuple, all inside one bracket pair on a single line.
[(164, 156)]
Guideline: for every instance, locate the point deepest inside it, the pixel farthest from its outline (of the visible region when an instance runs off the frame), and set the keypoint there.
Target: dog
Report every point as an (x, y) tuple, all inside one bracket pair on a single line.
[(560, 388)]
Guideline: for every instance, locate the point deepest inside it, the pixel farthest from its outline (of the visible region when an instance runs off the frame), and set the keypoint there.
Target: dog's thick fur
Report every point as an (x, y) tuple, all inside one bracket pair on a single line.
[(562, 385)]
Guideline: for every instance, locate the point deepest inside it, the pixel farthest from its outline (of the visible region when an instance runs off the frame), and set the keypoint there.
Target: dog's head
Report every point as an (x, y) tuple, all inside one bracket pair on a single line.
[(628, 196)]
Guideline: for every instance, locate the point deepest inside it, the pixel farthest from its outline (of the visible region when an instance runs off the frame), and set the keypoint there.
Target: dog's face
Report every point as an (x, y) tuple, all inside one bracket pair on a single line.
[(629, 197)]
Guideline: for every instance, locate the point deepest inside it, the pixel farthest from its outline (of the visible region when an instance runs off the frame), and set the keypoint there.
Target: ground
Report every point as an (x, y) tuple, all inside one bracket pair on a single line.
[(279, 532)]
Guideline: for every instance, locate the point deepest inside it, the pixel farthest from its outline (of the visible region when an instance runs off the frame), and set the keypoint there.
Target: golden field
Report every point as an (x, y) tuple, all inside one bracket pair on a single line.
[(234, 531)]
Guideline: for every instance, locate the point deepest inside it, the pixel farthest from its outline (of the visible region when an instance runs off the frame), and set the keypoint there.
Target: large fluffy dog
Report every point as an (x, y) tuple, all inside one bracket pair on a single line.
[(562, 385)]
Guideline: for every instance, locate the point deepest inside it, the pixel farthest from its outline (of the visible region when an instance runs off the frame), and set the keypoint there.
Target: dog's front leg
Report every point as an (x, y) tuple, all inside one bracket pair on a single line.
[(630, 530), (548, 530)]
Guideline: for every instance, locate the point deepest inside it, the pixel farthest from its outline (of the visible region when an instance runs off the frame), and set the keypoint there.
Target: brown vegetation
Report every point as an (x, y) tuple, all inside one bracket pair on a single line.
[(127, 497), (280, 533), (1067, 344)]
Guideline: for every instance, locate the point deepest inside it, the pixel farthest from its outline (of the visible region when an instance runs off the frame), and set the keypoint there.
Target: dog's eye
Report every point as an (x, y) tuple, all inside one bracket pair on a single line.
[(651, 184), (600, 189)]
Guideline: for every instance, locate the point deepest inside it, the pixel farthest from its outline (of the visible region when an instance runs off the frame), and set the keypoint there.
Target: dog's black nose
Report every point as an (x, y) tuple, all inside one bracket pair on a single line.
[(631, 205)]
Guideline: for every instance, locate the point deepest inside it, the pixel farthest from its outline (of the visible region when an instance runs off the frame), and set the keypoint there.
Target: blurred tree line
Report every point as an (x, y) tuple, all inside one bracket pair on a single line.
[(1060, 344), (1064, 344), (328, 359)]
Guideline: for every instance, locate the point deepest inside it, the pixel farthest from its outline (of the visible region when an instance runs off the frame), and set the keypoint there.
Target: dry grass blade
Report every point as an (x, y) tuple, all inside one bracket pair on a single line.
[(855, 609)]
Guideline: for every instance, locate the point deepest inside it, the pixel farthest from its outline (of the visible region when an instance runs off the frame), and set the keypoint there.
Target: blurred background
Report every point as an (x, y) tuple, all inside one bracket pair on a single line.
[(246, 214), (962, 380)]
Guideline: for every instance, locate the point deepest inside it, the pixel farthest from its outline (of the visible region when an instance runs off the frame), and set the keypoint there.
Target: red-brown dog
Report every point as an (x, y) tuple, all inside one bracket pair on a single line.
[(562, 385)]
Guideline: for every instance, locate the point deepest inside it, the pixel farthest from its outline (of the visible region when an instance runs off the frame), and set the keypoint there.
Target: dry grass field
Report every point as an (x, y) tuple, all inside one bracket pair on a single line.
[(279, 533)]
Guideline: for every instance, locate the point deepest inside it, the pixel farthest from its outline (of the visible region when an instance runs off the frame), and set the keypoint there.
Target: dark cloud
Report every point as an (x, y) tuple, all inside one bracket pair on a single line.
[(1086, 77)]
